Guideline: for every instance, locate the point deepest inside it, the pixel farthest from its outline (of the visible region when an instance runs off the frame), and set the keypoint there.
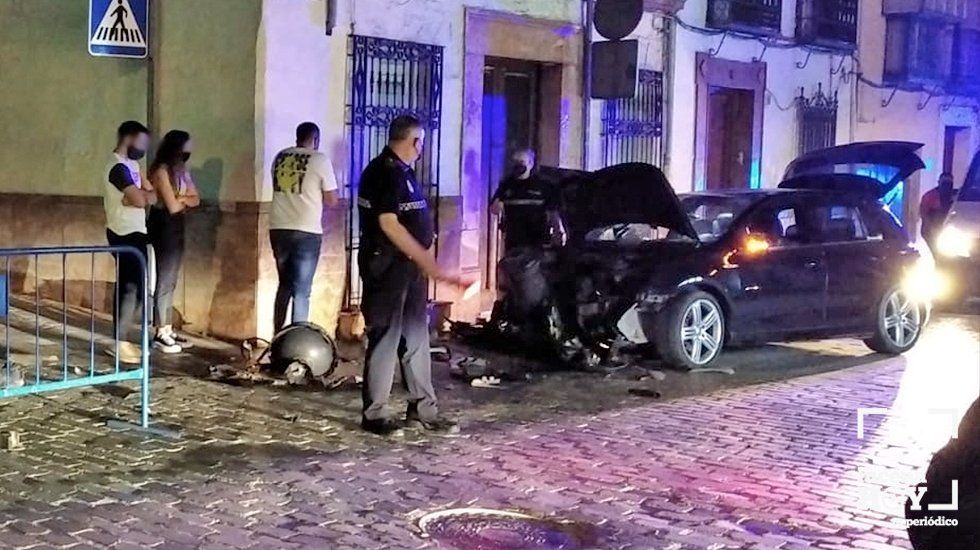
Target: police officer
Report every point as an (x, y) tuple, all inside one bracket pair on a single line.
[(528, 206), (395, 261)]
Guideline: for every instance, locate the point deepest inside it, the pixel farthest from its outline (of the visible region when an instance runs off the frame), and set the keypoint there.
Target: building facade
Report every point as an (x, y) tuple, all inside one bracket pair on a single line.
[(729, 92)]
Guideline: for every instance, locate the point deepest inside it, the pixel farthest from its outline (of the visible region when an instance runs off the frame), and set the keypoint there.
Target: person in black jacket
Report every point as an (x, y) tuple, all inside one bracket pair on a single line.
[(527, 206)]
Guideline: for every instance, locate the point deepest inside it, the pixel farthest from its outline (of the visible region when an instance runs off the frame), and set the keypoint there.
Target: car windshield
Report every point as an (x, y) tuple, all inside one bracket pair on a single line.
[(712, 215)]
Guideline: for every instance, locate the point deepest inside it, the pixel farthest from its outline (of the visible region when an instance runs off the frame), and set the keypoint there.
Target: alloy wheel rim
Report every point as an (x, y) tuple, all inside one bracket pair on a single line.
[(902, 319), (701, 331)]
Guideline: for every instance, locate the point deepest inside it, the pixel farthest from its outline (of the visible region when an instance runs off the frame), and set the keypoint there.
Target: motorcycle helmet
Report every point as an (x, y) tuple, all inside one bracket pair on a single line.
[(306, 344)]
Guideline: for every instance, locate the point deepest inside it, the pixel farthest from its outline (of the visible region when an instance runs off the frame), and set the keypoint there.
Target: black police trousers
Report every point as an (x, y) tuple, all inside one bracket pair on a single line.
[(394, 306)]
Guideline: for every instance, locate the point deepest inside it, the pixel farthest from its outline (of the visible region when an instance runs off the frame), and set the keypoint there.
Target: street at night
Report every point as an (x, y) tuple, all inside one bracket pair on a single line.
[(766, 458), (489, 274)]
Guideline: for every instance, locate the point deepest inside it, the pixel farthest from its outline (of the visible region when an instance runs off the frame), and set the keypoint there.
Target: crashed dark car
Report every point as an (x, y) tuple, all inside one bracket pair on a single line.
[(688, 275)]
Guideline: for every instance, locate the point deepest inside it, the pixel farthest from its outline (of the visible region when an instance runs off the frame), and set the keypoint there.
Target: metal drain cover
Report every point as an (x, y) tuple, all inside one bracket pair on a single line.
[(484, 529)]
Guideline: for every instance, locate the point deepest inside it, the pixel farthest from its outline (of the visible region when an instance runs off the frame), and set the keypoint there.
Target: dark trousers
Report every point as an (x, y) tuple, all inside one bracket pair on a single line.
[(167, 239), (130, 282), (297, 254), (394, 307)]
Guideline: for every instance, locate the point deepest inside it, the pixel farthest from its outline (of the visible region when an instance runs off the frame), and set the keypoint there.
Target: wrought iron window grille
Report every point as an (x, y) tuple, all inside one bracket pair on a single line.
[(386, 79), (817, 120), (632, 129)]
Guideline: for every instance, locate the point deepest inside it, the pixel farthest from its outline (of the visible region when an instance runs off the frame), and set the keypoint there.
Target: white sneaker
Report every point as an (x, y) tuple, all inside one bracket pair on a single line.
[(165, 342)]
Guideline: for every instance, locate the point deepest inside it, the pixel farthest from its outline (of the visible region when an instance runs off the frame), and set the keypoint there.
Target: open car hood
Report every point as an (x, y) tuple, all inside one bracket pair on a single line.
[(853, 165), (620, 194)]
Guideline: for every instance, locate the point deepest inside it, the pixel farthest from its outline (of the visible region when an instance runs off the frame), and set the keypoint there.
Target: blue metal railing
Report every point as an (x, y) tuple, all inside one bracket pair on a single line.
[(95, 374)]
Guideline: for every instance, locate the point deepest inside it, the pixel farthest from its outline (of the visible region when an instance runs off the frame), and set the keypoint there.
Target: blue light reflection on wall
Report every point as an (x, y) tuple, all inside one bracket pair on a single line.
[(755, 181)]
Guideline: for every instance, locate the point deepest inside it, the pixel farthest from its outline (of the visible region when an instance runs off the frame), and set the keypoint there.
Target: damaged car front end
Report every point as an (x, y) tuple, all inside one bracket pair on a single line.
[(631, 248)]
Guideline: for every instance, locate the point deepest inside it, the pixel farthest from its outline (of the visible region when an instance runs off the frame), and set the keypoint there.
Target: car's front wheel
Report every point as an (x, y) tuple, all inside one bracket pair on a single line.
[(898, 323), (692, 331)]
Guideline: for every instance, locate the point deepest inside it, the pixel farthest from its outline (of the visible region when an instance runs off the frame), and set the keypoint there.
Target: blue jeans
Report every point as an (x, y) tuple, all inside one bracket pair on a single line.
[(297, 254)]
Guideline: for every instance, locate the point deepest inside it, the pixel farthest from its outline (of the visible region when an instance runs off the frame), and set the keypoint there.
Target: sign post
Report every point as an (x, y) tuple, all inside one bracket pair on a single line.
[(118, 28)]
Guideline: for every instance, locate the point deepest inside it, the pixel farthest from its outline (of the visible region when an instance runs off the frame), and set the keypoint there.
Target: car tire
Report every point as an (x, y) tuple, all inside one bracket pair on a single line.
[(898, 323), (691, 331)]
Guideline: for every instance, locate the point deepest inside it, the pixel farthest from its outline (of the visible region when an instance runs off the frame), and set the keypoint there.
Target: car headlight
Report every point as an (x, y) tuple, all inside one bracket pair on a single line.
[(924, 283), (954, 242)]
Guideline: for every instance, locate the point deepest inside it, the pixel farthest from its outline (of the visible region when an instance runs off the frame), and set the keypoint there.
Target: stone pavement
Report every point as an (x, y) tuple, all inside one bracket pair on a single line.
[(773, 465)]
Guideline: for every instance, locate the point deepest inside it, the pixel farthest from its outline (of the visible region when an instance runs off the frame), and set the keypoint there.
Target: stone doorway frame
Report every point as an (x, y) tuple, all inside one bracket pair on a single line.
[(558, 46), (726, 73)]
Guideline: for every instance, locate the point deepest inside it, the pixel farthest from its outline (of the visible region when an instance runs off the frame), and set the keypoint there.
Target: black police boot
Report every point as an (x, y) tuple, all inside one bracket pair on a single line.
[(438, 424), (382, 426)]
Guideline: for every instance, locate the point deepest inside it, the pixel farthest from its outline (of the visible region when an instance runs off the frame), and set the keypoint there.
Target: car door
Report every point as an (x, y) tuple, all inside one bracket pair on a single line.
[(858, 267), (782, 289)]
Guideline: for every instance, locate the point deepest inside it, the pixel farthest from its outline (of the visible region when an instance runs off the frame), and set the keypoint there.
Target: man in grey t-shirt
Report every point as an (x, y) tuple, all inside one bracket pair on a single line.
[(303, 182)]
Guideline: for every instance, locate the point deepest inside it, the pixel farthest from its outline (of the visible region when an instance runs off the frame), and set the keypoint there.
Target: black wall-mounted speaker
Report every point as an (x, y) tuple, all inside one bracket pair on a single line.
[(614, 69), (616, 19)]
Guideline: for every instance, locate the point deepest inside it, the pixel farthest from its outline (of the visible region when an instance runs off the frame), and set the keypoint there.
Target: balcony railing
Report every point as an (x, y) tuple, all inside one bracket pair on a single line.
[(751, 16)]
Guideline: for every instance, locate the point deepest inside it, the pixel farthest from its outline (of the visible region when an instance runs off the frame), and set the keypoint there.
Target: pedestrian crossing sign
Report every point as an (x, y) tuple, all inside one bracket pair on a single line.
[(118, 28)]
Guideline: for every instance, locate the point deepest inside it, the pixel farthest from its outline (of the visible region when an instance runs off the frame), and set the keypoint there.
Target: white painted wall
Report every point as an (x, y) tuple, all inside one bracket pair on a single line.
[(302, 73), (783, 82)]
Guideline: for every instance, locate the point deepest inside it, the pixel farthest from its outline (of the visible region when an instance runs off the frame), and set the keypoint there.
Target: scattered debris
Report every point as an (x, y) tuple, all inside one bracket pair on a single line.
[(470, 367), (441, 354), (719, 370), (221, 372), (645, 392), (485, 382), (238, 376), (657, 375), (255, 350), (10, 441), (297, 374)]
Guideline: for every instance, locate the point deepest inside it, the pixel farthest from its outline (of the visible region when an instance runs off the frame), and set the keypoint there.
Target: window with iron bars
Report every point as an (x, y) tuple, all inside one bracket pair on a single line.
[(632, 129), (817, 121), (829, 23)]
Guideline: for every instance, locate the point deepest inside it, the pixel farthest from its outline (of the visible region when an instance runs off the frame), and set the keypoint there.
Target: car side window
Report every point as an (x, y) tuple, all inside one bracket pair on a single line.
[(837, 223), (779, 225)]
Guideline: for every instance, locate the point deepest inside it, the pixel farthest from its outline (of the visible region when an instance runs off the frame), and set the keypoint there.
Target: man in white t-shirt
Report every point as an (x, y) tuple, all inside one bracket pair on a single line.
[(126, 195), (303, 182)]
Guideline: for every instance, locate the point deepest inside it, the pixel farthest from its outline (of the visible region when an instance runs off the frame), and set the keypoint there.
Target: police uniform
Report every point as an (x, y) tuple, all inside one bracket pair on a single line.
[(395, 289), (526, 206)]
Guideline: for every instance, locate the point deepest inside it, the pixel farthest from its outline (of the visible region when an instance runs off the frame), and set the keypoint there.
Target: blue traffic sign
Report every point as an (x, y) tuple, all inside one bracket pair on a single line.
[(118, 28)]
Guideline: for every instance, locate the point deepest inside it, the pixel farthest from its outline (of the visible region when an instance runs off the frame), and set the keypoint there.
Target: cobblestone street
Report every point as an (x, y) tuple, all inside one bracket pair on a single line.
[(751, 462)]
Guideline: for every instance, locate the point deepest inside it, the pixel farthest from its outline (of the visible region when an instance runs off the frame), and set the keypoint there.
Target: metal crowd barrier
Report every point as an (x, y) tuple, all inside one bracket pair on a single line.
[(45, 378)]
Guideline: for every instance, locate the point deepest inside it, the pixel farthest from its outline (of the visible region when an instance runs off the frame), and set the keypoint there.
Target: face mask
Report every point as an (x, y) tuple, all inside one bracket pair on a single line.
[(134, 154), (519, 169), (184, 157)]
